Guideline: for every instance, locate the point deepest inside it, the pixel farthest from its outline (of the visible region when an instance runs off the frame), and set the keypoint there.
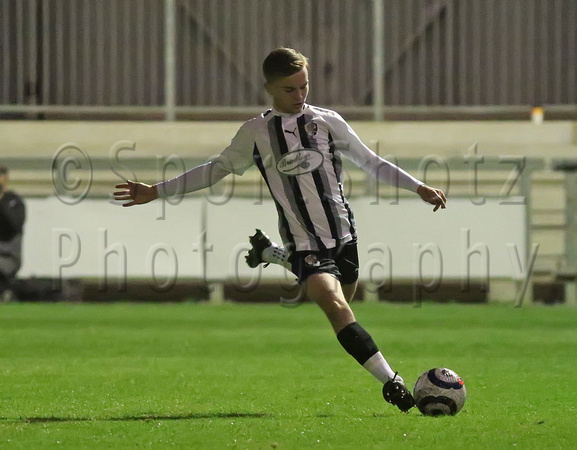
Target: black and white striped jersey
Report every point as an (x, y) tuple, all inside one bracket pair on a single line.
[(299, 157)]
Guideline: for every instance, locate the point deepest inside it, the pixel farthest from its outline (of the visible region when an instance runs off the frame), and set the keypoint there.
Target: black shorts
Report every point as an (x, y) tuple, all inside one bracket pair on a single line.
[(342, 262)]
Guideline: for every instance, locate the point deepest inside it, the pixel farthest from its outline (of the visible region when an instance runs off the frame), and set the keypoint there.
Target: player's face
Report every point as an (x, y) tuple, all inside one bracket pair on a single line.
[(290, 93)]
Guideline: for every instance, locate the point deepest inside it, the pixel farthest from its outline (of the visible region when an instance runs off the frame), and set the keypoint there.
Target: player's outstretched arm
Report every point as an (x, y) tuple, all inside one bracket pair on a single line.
[(136, 193), (433, 196)]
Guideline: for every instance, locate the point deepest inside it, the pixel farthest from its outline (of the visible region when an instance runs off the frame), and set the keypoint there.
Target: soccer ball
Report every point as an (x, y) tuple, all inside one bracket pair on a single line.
[(440, 392)]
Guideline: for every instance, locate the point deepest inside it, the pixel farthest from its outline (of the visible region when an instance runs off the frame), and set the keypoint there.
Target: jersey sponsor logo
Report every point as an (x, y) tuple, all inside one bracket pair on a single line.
[(300, 162)]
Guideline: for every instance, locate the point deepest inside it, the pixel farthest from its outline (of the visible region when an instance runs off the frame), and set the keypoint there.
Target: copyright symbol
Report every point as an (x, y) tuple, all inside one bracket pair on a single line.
[(71, 174)]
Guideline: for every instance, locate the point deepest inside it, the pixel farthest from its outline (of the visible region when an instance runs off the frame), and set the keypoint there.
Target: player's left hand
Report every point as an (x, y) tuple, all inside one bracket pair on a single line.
[(433, 196)]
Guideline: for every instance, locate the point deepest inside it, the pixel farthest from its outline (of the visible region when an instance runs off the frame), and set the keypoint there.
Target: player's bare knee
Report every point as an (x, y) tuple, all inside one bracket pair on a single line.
[(338, 311)]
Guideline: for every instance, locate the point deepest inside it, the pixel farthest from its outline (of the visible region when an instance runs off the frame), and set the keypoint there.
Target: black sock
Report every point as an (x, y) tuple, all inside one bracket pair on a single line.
[(357, 342)]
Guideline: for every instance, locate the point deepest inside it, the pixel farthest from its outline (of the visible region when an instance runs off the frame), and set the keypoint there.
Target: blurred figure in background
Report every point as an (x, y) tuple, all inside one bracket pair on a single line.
[(12, 217)]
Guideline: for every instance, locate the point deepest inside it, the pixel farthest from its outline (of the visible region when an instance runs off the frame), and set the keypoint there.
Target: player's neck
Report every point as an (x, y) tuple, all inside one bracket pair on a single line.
[(287, 114)]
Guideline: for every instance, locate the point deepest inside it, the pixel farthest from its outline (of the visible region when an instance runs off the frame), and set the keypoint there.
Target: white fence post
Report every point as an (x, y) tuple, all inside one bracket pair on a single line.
[(378, 60), (169, 60)]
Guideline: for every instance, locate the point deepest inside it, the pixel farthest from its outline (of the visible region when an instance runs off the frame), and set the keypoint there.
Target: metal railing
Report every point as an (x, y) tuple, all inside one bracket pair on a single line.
[(151, 57)]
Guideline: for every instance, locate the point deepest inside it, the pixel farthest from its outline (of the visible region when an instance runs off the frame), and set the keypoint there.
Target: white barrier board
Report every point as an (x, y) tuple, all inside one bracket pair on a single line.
[(95, 238)]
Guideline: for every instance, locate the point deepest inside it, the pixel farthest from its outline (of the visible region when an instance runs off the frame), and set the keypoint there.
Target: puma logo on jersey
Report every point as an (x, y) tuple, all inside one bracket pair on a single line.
[(293, 132)]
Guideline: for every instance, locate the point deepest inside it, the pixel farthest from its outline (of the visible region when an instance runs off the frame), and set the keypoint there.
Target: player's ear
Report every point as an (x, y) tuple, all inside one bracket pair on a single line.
[(268, 87)]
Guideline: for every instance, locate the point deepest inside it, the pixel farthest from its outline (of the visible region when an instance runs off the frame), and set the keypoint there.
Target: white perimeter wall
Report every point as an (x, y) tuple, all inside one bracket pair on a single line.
[(78, 240), (98, 239)]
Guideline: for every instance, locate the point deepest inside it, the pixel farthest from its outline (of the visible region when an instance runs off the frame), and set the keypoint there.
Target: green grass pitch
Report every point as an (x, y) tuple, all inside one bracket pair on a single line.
[(262, 376)]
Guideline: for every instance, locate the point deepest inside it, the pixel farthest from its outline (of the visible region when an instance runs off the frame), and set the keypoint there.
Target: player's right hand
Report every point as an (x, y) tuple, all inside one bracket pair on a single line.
[(136, 193)]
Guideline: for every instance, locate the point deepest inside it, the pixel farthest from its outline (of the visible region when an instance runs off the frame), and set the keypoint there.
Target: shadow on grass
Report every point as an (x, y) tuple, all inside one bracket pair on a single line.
[(147, 417)]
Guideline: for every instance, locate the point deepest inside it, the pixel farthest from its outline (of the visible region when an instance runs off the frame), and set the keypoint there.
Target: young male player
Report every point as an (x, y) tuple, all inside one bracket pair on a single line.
[(297, 148)]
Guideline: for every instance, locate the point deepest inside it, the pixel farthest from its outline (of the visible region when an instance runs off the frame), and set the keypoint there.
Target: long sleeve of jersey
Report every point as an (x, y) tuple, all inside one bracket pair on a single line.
[(236, 158), (350, 145), (192, 180)]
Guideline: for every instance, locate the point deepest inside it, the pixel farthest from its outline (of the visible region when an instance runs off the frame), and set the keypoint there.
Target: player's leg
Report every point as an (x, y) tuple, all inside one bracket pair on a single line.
[(347, 261), (263, 250), (325, 290), (322, 276), (349, 290)]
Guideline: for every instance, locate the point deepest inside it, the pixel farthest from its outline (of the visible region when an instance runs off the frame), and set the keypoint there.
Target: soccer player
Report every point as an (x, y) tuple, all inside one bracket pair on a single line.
[(297, 147)]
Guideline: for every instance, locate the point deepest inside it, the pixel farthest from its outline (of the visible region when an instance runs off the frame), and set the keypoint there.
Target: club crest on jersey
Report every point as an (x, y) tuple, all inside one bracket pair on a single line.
[(299, 162), (311, 129), (312, 261)]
